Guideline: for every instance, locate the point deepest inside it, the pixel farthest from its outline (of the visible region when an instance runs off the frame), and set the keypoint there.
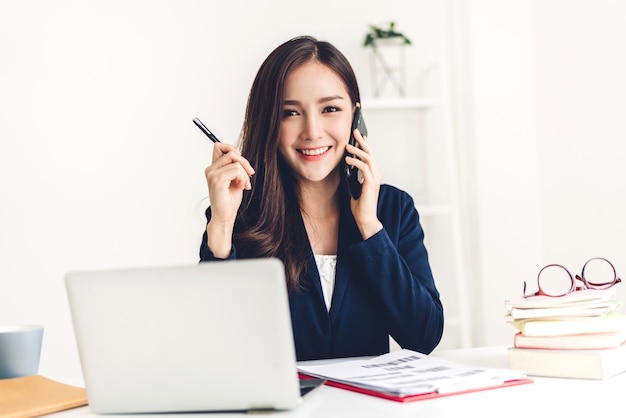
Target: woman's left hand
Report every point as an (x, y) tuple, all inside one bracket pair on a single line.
[(365, 207)]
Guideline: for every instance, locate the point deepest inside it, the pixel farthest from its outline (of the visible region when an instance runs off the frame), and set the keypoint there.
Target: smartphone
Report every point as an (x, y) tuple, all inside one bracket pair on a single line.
[(352, 174)]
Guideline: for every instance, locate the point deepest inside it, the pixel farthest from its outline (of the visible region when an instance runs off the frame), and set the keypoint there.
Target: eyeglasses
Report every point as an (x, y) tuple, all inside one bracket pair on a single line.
[(556, 280)]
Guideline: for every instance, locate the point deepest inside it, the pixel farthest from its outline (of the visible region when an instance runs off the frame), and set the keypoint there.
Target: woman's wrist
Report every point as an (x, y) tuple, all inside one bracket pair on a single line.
[(370, 229), (220, 238)]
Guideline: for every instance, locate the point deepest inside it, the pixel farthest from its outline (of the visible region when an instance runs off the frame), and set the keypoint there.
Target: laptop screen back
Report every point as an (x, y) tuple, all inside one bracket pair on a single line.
[(210, 337)]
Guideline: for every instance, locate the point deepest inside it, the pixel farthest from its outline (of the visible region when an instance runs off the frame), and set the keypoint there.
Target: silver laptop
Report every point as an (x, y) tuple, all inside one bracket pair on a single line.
[(210, 337)]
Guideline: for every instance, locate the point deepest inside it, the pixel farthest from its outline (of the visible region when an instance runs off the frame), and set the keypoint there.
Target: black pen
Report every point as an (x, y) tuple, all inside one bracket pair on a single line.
[(206, 130)]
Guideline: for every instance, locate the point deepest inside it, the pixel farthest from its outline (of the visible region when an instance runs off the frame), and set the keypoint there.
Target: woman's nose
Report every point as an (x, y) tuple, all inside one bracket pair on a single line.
[(314, 128)]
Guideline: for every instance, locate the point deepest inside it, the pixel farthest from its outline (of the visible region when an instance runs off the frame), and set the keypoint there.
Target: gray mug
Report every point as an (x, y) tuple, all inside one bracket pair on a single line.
[(20, 350)]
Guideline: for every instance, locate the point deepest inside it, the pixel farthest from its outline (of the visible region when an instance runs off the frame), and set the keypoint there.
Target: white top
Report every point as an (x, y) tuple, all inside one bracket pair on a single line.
[(326, 264)]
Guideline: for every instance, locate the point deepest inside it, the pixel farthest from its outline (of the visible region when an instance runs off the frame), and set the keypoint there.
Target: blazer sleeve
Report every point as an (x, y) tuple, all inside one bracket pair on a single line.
[(394, 263)]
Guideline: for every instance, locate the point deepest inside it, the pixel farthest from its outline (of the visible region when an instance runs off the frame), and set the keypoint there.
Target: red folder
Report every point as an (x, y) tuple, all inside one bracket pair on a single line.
[(421, 396)]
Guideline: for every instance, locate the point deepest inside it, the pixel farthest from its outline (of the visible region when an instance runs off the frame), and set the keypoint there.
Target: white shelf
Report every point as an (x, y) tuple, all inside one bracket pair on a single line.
[(400, 103)]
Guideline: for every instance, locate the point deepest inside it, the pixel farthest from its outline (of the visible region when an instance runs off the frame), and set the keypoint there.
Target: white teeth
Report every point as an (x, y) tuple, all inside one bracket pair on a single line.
[(316, 151)]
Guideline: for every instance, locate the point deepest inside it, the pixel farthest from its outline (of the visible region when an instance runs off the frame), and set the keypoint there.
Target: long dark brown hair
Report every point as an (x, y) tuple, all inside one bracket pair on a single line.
[(269, 219)]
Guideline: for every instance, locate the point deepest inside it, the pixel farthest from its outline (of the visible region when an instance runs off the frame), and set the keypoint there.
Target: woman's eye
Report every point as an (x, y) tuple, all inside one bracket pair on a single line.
[(289, 112), (330, 109)]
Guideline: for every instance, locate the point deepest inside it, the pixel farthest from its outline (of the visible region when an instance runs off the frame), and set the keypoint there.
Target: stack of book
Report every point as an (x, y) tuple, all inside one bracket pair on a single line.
[(579, 335)]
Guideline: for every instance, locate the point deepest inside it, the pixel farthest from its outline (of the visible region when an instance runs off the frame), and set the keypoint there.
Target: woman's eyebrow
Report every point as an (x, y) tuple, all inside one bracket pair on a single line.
[(330, 98), (321, 100)]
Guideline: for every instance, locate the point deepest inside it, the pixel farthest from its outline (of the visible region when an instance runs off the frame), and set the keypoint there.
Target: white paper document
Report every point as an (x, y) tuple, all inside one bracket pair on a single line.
[(406, 372)]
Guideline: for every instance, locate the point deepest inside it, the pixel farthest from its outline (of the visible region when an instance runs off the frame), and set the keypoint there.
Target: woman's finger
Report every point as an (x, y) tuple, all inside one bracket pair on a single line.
[(224, 154)]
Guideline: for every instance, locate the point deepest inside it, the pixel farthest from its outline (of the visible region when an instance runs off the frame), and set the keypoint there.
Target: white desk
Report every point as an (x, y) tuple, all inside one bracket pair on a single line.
[(545, 397)]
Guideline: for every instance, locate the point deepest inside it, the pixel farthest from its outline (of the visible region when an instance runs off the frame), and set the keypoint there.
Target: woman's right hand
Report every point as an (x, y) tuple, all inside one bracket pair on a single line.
[(227, 177)]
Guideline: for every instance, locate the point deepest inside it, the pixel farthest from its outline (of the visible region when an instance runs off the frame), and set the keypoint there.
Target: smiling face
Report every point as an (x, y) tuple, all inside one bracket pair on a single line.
[(316, 121)]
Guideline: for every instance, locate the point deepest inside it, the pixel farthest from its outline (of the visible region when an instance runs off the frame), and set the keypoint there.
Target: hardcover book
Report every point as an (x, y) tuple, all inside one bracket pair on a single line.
[(613, 322), (590, 341), (577, 364), (585, 303)]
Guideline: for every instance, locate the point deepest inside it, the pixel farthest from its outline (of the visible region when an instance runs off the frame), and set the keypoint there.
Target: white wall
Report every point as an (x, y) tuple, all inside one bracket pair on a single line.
[(581, 86), (546, 107), (580, 89), (503, 167), (100, 164)]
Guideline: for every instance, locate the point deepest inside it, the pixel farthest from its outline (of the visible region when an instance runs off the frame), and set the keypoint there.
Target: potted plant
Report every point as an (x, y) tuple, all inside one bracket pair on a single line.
[(376, 33), (388, 61)]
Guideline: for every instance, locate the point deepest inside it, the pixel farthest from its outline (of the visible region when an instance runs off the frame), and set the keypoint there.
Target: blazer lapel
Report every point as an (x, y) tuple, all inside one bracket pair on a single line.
[(348, 235)]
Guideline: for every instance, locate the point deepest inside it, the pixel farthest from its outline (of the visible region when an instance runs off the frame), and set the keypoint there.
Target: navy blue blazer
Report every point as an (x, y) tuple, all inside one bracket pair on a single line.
[(383, 286)]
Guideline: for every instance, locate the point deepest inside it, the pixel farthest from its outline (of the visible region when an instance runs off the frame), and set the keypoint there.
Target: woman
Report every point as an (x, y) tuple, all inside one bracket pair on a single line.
[(357, 269)]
